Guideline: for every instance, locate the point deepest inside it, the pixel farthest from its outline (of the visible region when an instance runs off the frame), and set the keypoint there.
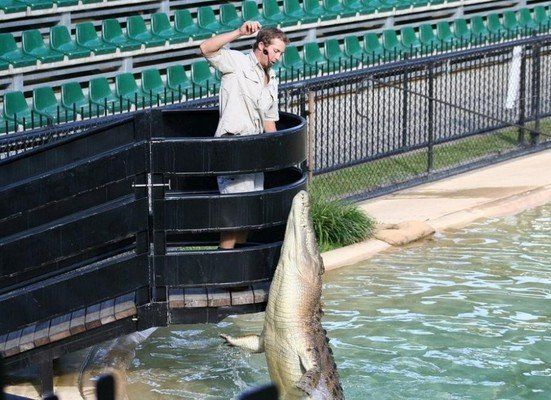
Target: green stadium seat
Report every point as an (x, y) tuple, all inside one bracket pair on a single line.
[(313, 8), (6, 125), (60, 40), (178, 81), (541, 17), (356, 6), (154, 90), (184, 23), (392, 46), (336, 57), (161, 27), (249, 10), (12, 6), (202, 77), (65, 3), (292, 65), (37, 4), (335, 7), (16, 109), (497, 30), (378, 5), (510, 21), (91, 1), (525, 19), (373, 47), (45, 103), (353, 48), (315, 61), (292, 9), (445, 35), (102, 95), (86, 36), (428, 39), (207, 20), (127, 89), (10, 52), (478, 30), (409, 40), (229, 17), (136, 30), (73, 98), (272, 12), (4, 65), (33, 44), (112, 33), (462, 32)]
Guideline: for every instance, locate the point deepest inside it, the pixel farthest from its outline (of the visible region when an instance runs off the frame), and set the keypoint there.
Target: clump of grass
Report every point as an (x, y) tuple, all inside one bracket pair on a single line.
[(339, 224)]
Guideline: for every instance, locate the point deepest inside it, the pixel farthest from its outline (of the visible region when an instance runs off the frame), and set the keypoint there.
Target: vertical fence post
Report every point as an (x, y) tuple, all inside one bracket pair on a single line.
[(522, 98), (311, 133), (536, 81), (405, 106), (430, 128)]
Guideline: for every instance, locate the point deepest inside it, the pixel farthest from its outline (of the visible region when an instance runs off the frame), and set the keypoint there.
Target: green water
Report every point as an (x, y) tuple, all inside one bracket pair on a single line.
[(464, 316)]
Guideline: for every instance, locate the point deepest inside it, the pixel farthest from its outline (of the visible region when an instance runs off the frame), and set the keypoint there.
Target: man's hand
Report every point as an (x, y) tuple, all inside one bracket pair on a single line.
[(249, 27)]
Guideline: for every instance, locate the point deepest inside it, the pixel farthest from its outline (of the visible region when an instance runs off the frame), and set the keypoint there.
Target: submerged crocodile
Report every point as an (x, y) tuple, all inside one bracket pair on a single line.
[(300, 360)]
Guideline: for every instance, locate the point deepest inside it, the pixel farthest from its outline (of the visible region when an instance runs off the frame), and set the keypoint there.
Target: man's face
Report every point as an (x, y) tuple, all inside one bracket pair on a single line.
[(272, 53)]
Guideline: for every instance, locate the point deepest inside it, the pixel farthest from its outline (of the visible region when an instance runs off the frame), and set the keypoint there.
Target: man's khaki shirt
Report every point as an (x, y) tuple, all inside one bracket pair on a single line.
[(245, 101)]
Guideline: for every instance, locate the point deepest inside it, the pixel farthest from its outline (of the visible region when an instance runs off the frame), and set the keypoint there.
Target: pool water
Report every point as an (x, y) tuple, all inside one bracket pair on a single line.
[(466, 315)]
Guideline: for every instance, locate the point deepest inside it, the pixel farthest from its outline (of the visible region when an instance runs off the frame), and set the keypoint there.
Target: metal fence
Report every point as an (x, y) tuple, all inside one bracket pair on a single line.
[(390, 125)]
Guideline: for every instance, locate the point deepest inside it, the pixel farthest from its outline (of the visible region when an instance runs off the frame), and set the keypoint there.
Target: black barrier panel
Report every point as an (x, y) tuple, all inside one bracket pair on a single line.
[(234, 154), (181, 212), (22, 255), (66, 151), (217, 267), (211, 315), (72, 291), (76, 187)]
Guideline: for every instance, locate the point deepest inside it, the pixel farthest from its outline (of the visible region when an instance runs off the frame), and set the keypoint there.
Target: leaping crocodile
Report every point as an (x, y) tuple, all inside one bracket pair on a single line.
[(300, 360)]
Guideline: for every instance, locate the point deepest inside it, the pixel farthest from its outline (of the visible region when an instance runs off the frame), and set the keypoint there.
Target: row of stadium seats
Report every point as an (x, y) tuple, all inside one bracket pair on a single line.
[(296, 64), (15, 6), (182, 29)]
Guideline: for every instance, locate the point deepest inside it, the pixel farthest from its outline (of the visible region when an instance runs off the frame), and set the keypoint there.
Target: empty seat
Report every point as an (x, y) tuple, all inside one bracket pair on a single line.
[(335, 56), (479, 31), (510, 21), (33, 44), (86, 36), (112, 33), (428, 39), (45, 104), (201, 76), (461, 31), (292, 65), (249, 10), (541, 18), (207, 20), (335, 7), (11, 53), (4, 65), (229, 17), (497, 30), (60, 40), (391, 44), (161, 27), (445, 35), (378, 5), (127, 89), (315, 61), (525, 19), (16, 109), (65, 3), (154, 89), (102, 95), (292, 9), (373, 47), (6, 125), (12, 6), (38, 4), (137, 30), (73, 98), (272, 12), (409, 39), (178, 81), (353, 48), (357, 6), (313, 8), (183, 23)]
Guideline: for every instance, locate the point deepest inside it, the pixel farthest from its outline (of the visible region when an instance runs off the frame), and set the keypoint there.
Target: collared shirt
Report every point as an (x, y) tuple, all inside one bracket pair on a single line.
[(245, 100)]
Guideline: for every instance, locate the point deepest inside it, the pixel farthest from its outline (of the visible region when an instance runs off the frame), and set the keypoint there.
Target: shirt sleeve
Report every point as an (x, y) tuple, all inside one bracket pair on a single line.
[(225, 60), (272, 114)]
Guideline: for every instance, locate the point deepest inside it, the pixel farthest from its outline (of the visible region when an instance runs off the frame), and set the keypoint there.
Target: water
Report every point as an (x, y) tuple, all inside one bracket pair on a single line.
[(464, 316)]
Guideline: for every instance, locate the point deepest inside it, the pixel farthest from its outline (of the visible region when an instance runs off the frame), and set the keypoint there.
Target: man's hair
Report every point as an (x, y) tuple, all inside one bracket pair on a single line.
[(266, 35)]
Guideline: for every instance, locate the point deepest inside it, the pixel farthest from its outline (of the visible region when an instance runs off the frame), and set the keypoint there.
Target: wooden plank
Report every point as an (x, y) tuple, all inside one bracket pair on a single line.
[(125, 306), (195, 297), (217, 297), (12, 343), (78, 319), (107, 312), (92, 319), (176, 298), (26, 340), (41, 337), (239, 297), (60, 328), (260, 291)]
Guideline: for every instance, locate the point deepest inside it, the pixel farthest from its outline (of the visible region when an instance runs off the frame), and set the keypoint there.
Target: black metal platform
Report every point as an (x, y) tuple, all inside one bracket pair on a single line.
[(113, 229)]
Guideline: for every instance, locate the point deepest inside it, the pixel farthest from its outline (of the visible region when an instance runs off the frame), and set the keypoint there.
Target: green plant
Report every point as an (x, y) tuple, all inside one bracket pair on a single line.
[(339, 224)]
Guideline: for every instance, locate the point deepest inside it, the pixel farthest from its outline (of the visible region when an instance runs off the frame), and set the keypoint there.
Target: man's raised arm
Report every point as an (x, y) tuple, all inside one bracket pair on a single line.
[(215, 43)]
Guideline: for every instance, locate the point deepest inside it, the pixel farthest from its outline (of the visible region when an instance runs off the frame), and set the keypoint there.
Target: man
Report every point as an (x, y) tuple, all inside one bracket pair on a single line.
[(248, 98)]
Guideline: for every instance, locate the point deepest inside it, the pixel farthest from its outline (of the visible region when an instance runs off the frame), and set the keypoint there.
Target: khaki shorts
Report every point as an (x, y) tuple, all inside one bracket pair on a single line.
[(241, 183)]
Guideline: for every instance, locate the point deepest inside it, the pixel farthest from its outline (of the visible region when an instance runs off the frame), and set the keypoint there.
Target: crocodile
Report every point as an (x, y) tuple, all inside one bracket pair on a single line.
[(299, 357)]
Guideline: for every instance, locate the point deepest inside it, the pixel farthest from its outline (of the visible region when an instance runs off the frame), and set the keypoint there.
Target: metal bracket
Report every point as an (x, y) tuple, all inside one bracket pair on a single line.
[(150, 185)]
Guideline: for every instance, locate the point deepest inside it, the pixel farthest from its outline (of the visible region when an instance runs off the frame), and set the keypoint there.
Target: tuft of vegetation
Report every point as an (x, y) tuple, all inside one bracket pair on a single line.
[(339, 224)]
